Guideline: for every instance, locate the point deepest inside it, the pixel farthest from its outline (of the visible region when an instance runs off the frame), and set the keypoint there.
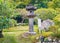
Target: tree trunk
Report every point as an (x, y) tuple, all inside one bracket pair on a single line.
[(1, 35), (22, 20)]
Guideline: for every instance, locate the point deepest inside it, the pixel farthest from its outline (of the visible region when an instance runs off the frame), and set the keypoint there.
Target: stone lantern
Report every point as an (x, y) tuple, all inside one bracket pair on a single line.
[(30, 8)]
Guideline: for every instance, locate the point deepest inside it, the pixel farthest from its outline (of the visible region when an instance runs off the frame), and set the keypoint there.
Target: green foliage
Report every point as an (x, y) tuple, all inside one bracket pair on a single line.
[(57, 20), (12, 22), (56, 31), (38, 3), (26, 20), (22, 3), (6, 22), (54, 28), (6, 11), (56, 3), (57, 35), (45, 13), (8, 39), (35, 21), (46, 34), (50, 4)]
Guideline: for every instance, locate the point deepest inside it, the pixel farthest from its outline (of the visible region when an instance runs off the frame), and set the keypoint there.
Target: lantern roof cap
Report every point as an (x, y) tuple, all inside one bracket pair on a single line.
[(30, 7)]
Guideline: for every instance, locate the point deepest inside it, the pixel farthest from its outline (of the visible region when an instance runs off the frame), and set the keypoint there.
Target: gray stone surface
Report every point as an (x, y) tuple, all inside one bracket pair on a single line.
[(31, 20)]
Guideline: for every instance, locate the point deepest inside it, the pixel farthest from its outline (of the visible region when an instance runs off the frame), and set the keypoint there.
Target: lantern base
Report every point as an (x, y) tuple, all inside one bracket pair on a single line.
[(32, 33)]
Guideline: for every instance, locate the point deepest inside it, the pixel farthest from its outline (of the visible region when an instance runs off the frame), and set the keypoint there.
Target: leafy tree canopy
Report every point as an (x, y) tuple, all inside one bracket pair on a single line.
[(45, 13), (6, 11)]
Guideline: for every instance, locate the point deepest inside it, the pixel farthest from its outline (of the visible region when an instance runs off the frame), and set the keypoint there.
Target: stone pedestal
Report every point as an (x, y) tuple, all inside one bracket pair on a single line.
[(31, 24), (31, 20), (30, 8)]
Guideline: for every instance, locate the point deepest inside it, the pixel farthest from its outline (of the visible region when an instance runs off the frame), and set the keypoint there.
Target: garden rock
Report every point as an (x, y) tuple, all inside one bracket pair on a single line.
[(27, 34)]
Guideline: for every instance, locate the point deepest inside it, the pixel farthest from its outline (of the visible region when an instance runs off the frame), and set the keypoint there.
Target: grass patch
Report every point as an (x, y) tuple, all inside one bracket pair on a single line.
[(17, 28), (13, 35), (8, 39), (20, 28)]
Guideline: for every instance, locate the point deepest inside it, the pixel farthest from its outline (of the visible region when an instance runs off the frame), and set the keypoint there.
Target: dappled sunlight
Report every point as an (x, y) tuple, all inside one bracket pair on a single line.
[(29, 21), (17, 28)]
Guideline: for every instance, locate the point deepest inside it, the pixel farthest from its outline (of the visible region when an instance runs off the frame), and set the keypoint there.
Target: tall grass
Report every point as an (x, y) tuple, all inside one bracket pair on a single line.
[(8, 39)]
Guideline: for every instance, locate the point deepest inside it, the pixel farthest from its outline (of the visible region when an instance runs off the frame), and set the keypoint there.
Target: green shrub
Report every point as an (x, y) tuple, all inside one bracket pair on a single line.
[(26, 20), (35, 21), (57, 20), (44, 13), (54, 28), (13, 22), (6, 12), (57, 35)]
